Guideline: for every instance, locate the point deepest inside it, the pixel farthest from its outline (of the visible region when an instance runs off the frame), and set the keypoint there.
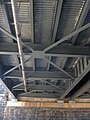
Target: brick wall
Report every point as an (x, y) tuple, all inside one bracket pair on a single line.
[(27, 113)]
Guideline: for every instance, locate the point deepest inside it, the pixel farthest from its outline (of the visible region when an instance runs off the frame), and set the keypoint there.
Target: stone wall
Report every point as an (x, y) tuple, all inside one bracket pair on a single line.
[(2, 102), (27, 113), (2, 106)]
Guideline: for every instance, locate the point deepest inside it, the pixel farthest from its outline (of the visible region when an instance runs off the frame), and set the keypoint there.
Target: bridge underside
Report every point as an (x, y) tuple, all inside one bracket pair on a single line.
[(45, 49)]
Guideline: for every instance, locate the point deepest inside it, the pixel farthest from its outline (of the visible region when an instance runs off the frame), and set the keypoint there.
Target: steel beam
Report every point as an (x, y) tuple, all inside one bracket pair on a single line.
[(38, 75), (58, 51), (7, 89), (10, 49), (18, 86), (58, 13), (13, 37), (32, 28), (37, 87), (82, 89), (36, 92), (81, 19), (9, 31), (32, 20), (21, 86), (6, 19), (79, 24), (86, 70), (66, 73), (5, 86), (67, 37), (38, 95), (10, 40), (53, 85), (10, 70), (71, 51)]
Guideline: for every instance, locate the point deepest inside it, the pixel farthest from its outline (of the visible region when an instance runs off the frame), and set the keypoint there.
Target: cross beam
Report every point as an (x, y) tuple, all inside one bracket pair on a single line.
[(75, 83), (79, 24), (58, 13), (67, 50), (67, 37), (38, 74), (82, 89), (38, 95), (58, 51), (37, 87)]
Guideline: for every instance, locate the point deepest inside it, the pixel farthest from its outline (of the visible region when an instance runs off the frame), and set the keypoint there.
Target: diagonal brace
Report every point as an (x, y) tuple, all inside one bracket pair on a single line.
[(57, 67), (67, 37)]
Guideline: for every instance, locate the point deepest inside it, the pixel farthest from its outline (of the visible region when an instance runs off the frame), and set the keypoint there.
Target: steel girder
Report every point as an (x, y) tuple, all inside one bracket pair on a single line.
[(79, 24), (38, 74), (37, 53), (75, 84), (58, 51)]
